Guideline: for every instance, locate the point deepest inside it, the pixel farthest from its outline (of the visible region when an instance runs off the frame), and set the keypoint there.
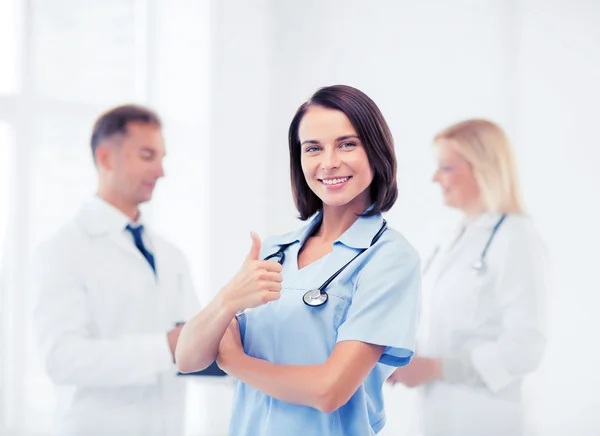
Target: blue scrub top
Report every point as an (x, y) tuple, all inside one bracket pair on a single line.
[(374, 300)]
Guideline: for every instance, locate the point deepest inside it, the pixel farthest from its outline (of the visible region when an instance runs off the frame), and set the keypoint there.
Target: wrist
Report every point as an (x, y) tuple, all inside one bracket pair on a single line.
[(438, 371), (231, 360), (226, 303)]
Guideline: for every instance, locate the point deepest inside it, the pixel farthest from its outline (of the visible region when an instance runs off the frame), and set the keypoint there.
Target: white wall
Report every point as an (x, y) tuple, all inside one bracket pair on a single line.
[(426, 64), (240, 124), (236, 170), (530, 65), (558, 115), (227, 77)]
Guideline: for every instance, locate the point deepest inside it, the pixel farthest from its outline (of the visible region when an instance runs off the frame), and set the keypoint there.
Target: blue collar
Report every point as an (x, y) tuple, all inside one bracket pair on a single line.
[(359, 235)]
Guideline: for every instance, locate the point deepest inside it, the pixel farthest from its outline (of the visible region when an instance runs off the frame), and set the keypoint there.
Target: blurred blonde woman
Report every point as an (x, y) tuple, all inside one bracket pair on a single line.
[(481, 330)]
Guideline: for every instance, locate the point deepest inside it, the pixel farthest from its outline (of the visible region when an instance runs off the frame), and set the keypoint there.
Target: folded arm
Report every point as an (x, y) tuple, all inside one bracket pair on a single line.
[(325, 387)]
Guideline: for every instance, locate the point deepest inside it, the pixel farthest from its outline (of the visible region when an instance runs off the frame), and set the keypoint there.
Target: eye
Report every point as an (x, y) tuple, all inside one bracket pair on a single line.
[(347, 144), (147, 155), (312, 149), (446, 168)]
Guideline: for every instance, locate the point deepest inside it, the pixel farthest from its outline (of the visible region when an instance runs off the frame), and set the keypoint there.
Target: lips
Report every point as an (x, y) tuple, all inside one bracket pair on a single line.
[(149, 185), (333, 181)]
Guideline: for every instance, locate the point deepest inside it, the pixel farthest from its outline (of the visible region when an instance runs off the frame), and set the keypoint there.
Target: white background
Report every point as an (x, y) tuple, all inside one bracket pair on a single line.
[(227, 77)]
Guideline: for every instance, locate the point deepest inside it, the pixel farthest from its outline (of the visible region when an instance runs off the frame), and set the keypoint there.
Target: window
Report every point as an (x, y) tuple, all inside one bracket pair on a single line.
[(6, 339), (84, 51), (9, 46), (82, 58)]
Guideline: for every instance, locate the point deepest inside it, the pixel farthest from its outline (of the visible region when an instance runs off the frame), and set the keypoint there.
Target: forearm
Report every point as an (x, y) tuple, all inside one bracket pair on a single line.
[(518, 357), (307, 385), (459, 369), (199, 340), (512, 356)]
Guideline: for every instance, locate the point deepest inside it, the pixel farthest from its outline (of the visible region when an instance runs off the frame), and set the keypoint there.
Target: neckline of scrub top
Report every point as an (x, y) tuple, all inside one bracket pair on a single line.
[(359, 235)]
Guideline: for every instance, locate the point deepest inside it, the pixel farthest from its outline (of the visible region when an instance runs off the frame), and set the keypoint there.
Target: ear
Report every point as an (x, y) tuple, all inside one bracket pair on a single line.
[(104, 157)]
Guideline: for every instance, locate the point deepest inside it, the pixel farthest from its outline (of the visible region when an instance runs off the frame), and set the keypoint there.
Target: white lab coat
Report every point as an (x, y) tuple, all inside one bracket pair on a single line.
[(102, 318), (495, 321)]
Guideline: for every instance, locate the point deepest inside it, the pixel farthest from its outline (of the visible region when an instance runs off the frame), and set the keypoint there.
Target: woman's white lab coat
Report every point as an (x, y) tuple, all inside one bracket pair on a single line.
[(493, 323), (102, 318)]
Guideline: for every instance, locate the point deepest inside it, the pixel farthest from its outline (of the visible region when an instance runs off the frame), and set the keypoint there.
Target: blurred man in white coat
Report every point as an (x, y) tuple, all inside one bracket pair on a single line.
[(110, 294)]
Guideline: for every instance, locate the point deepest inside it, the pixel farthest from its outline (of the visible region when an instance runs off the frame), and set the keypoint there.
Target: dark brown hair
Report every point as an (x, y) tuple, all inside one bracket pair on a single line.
[(372, 130), (114, 122)]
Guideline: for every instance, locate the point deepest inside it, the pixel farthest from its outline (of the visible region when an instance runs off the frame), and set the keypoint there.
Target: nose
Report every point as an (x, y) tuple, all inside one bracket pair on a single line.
[(160, 171), (331, 159)]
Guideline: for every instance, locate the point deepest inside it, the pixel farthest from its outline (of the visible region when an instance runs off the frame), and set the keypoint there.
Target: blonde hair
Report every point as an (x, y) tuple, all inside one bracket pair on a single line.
[(487, 149)]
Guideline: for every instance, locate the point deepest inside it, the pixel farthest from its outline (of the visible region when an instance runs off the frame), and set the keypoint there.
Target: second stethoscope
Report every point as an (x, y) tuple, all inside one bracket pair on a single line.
[(318, 297), (479, 266)]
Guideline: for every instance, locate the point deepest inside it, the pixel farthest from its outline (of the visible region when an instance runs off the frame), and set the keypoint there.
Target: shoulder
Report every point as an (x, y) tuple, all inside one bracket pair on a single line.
[(167, 248), (520, 232), (393, 252), (65, 239), (62, 250), (272, 243), (394, 244), (518, 244), (517, 223)]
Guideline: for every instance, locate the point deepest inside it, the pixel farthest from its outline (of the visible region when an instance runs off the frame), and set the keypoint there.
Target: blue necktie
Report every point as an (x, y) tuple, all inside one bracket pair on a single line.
[(139, 243)]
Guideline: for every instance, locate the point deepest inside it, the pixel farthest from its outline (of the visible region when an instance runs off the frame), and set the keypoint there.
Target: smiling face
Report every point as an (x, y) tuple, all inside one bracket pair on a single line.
[(333, 158), (456, 178)]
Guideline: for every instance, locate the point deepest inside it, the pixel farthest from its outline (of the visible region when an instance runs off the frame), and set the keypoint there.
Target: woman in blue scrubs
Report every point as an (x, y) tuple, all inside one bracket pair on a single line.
[(303, 368)]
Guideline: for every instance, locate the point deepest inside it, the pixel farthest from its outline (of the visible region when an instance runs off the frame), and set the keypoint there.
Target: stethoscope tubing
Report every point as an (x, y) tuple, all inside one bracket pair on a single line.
[(318, 297), (479, 265)]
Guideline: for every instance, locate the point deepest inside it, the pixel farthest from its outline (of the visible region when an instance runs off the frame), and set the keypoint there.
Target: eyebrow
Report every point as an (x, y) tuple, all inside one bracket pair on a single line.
[(148, 149), (341, 138)]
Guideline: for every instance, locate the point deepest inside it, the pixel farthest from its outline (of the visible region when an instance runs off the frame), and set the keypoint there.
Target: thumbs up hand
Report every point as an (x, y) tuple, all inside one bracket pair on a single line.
[(255, 249), (256, 283)]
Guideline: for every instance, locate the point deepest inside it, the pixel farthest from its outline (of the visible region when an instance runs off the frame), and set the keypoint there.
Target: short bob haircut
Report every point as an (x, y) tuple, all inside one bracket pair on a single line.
[(373, 132), (485, 146)]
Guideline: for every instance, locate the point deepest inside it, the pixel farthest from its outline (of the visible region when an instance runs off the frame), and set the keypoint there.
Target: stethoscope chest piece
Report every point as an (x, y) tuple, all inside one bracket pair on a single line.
[(318, 297), (478, 267), (315, 298)]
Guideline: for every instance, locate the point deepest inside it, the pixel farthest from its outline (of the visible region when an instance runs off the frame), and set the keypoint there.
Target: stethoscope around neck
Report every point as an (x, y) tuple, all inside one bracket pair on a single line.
[(479, 266), (318, 297)]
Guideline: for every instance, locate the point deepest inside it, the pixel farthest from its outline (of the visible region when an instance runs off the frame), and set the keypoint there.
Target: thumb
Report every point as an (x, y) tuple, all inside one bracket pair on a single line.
[(255, 250)]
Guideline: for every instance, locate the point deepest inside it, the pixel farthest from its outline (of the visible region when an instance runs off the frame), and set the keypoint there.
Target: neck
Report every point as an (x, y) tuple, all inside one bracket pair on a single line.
[(336, 220), (473, 211), (131, 210)]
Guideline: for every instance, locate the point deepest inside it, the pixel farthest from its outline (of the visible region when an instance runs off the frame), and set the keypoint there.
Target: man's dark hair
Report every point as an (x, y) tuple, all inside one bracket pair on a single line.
[(114, 122)]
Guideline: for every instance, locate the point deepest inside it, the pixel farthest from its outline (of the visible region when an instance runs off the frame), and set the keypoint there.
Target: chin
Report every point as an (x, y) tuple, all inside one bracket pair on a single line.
[(144, 198), (341, 201), (448, 202)]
